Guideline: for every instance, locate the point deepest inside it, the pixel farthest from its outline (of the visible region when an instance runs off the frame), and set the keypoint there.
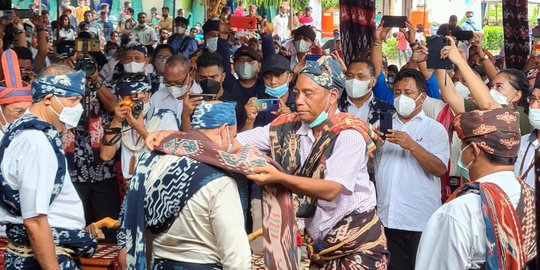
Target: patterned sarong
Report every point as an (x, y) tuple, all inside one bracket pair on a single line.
[(510, 232), (356, 242), (163, 184), (79, 242), (357, 26)]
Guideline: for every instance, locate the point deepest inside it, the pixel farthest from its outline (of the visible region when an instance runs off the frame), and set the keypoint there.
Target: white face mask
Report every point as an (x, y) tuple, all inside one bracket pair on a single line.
[(176, 91), (5, 126), (230, 145), (134, 67), (356, 88), (146, 108), (498, 97), (302, 46), (462, 89), (180, 30), (235, 47), (211, 44), (246, 71), (534, 117), (405, 105), (70, 116)]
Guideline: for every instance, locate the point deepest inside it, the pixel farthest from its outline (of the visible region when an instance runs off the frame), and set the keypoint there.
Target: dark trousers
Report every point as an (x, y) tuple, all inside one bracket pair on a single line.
[(100, 200), (402, 246)]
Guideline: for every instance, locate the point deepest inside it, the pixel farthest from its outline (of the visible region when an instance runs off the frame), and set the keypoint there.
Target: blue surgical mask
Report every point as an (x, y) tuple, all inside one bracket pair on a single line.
[(391, 80), (278, 91), (464, 170), (322, 116)]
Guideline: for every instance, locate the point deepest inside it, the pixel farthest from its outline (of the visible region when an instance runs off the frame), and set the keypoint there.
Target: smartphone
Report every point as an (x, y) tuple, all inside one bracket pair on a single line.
[(434, 61), (313, 57), (462, 35), (24, 13), (386, 122), (243, 22), (266, 105), (394, 21), (206, 97)]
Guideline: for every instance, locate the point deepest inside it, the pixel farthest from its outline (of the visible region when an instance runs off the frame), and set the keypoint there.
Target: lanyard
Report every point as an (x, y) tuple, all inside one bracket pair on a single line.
[(523, 175)]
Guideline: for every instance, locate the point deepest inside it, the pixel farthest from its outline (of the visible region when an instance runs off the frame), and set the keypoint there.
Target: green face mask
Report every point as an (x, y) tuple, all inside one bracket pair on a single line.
[(464, 170), (322, 116)]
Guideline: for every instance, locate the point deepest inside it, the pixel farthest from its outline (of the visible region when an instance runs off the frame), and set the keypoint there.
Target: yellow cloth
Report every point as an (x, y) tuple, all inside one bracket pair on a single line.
[(166, 23), (79, 13)]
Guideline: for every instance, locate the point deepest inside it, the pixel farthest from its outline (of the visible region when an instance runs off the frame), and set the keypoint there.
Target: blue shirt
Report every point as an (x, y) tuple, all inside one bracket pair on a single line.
[(106, 27), (176, 41), (384, 92)]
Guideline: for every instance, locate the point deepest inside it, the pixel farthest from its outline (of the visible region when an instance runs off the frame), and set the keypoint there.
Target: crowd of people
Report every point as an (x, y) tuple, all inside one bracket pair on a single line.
[(187, 136)]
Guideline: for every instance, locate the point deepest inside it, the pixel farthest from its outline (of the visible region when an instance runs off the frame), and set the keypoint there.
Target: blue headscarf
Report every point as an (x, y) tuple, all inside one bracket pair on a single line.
[(138, 83), (67, 85), (326, 72), (213, 115)]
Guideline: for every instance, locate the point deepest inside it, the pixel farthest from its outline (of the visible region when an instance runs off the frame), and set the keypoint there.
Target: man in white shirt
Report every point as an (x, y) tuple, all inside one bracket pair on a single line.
[(281, 23), (410, 164), (188, 200), (524, 167), (488, 222), (134, 118), (41, 207)]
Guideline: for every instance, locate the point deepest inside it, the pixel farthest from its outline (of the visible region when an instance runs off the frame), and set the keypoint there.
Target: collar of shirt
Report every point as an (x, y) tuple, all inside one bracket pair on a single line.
[(350, 103), (498, 177), (305, 130), (533, 137), (421, 115)]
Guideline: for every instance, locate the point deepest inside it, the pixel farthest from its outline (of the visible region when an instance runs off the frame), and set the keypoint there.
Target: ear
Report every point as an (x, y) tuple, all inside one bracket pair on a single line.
[(222, 77), (48, 99), (517, 97)]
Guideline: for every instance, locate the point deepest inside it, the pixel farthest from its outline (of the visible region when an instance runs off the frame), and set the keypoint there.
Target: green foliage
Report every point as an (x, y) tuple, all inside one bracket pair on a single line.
[(493, 37), (389, 48), (326, 4)]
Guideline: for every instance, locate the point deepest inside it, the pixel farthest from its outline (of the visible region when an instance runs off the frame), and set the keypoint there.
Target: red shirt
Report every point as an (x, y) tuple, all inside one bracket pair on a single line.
[(305, 20)]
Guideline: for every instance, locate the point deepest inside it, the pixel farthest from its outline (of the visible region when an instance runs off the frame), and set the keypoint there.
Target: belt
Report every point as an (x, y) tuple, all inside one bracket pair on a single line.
[(25, 251)]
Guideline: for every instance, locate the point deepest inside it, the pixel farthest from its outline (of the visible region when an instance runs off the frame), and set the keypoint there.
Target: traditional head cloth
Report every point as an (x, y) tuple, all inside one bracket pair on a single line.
[(213, 115), (326, 72), (496, 131), (13, 89), (134, 46), (210, 25), (67, 85), (138, 83)]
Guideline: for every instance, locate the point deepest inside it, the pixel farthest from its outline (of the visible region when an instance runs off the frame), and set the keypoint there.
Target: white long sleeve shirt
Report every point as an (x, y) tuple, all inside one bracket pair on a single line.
[(454, 238)]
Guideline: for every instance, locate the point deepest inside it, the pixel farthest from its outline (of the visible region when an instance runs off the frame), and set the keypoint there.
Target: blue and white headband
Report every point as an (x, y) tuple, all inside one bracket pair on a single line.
[(213, 115), (67, 85)]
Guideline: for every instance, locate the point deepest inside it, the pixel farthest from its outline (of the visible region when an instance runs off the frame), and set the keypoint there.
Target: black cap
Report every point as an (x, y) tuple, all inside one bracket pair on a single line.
[(211, 25), (183, 20), (305, 30), (275, 63), (246, 51)]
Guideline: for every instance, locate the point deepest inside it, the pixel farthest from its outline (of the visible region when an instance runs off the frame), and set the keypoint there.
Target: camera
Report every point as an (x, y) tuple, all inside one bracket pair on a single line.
[(25, 75), (133, 102), (85, 62)]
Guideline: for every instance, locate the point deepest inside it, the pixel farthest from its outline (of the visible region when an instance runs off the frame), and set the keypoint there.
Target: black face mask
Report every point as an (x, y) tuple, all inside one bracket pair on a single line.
[(210, 86)]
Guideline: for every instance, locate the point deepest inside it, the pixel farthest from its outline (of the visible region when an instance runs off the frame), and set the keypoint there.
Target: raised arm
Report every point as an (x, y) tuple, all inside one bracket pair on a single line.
[(489, 67), (43, 44), (376, 51), (448, 92), (478, 89)]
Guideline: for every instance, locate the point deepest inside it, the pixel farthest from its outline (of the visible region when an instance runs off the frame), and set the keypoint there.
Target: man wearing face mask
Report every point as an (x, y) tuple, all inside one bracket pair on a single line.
[(414, 154), (359, 99), (488, 223), (211, 34), (300, 45), (45, 218), (469, 24), (144, 33), (181, 43), (127, 131), (331, 149), (202, 226), (524, 167), (247, 64), (134, 60), (177, 84)]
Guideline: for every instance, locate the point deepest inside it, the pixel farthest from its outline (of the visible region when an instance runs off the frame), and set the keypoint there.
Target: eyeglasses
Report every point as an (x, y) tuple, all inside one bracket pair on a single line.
[(177, 83), (163, 57)]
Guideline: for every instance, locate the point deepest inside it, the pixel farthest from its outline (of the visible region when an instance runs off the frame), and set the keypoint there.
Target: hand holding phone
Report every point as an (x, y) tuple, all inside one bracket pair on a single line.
[(205, 97), (266, 105), (385, 121), (394, 21), (435, 45)]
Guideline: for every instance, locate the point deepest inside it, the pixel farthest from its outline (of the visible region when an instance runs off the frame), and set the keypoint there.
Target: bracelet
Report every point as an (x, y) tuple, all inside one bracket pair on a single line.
[(114, 130)]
